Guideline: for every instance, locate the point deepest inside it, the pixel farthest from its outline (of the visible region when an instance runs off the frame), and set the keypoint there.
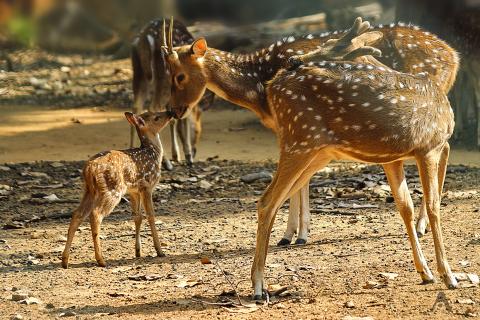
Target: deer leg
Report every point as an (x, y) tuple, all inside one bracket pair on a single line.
[(149, 209), (292, 173), (137, 218), (304, 226), (422, 223), (173, 135), (77, 217), (95, 221), (184, 130), (139, 93), (396, 178), (292, 223), (428, 165)]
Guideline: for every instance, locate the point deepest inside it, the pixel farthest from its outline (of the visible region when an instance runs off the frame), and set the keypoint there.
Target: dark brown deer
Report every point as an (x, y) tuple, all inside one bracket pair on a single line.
[(111, 174), (332, 110), (150, 76)]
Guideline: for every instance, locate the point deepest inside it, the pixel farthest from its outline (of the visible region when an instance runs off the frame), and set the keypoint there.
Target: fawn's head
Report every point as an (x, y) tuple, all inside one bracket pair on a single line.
[(149, 124), (189, 80)]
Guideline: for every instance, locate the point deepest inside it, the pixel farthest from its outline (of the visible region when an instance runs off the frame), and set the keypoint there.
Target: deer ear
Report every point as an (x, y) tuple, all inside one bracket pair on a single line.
[(199, 47)]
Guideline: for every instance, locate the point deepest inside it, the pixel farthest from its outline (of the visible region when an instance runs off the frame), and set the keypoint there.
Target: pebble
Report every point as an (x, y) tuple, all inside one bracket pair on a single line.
[(252, 177), (17, 316), (204, 184), (19, 296)]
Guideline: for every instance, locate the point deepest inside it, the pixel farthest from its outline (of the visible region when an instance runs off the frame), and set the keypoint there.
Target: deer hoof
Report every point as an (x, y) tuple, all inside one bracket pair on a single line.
[(65, 263), (167, 165), (450, 281), (189, 159), (137, 253), (161, 254), (283, 242), (300, 241), (101, 263)]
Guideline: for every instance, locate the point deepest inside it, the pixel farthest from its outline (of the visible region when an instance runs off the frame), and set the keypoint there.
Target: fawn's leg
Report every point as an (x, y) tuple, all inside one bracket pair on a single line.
[(184, 130), (150, 211), (83, 210), (428, 166), (102, 208), (396, 178), (292, 173), (137, 217), (95, 222), (422, 223)]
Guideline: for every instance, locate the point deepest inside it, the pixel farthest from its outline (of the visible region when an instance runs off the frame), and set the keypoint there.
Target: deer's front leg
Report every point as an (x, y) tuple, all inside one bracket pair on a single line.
[(185, 136), (150, 211), (173, 135)]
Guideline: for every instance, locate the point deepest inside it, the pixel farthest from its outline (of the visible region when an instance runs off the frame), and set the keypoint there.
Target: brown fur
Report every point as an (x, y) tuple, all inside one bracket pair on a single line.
[(111, 174), (350, 110)]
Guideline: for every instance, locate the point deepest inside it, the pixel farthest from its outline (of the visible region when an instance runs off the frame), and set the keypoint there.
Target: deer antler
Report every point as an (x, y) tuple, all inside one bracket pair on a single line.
[(348, 47)]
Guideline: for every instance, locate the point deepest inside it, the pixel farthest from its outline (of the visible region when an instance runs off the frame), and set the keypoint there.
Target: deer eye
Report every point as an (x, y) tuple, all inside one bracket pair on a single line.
[(180, 78)]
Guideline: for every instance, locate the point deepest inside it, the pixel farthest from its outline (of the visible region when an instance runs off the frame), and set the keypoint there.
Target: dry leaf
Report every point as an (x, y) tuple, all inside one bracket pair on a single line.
[(205, 260), (389, 275)]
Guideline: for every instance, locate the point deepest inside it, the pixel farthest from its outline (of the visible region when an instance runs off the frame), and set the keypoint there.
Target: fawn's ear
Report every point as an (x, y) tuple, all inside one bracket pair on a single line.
[(199, 48), (134, 120)]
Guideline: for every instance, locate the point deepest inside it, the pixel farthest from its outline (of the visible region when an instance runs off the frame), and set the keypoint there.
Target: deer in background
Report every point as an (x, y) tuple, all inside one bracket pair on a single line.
[(111, 174), (332, 110), (150, 76)]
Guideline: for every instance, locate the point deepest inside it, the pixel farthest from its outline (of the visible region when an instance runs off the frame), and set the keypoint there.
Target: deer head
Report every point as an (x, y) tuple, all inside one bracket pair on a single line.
[(149, 124), (188, 77)]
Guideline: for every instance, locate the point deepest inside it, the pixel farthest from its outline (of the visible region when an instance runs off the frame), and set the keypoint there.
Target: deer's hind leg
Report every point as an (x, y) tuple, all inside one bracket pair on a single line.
[(84, 209), (294, 170), (398, 184), (103, 207), (184, 130), (298, 218), (428, 166), (422, 223)]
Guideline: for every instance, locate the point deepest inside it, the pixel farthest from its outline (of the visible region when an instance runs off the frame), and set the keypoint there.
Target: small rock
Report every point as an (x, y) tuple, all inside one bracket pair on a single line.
[(349, 304), (65, 69), (68, 313), (31, 300), (252, 177), (19, 296), (465, 301), (52, 197), (205, 260), (62, 239), (49, 305), (4, 168), (389, 275), (356, 318), (14, 225), (57, 164), (17, 316), (204, 184)]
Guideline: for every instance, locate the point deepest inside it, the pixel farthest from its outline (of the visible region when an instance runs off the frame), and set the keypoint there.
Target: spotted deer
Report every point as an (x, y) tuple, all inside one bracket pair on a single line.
[(111, 174), (331, 110), (151, 76), (405, 48), (241, 79)]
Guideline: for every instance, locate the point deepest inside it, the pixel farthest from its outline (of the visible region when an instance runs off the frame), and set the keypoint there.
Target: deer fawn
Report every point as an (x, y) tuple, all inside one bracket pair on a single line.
[(111, 174), (149, 74), (331, 110)]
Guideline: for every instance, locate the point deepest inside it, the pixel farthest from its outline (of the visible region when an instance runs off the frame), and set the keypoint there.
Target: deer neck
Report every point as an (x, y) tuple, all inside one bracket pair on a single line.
[(240, 79), (152, 144)]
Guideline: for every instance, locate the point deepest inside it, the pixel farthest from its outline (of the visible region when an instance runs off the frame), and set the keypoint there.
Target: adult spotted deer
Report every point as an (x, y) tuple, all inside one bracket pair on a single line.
[(331, 110), (150, 75), (110, 175), (242, 78)]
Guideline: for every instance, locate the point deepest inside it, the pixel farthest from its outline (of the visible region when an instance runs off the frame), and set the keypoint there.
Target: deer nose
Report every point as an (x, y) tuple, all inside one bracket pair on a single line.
[(170, 114)]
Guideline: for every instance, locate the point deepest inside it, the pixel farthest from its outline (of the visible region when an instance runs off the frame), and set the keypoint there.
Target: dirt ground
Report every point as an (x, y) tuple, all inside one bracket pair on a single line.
[(357, 263)]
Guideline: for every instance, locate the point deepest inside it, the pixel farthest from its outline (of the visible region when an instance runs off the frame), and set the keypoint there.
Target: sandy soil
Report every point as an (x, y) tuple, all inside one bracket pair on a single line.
[(341, 265)]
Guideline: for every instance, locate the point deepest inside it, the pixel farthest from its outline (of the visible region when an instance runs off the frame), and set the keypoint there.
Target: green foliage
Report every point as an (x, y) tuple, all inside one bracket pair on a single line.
[(22, 30)]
